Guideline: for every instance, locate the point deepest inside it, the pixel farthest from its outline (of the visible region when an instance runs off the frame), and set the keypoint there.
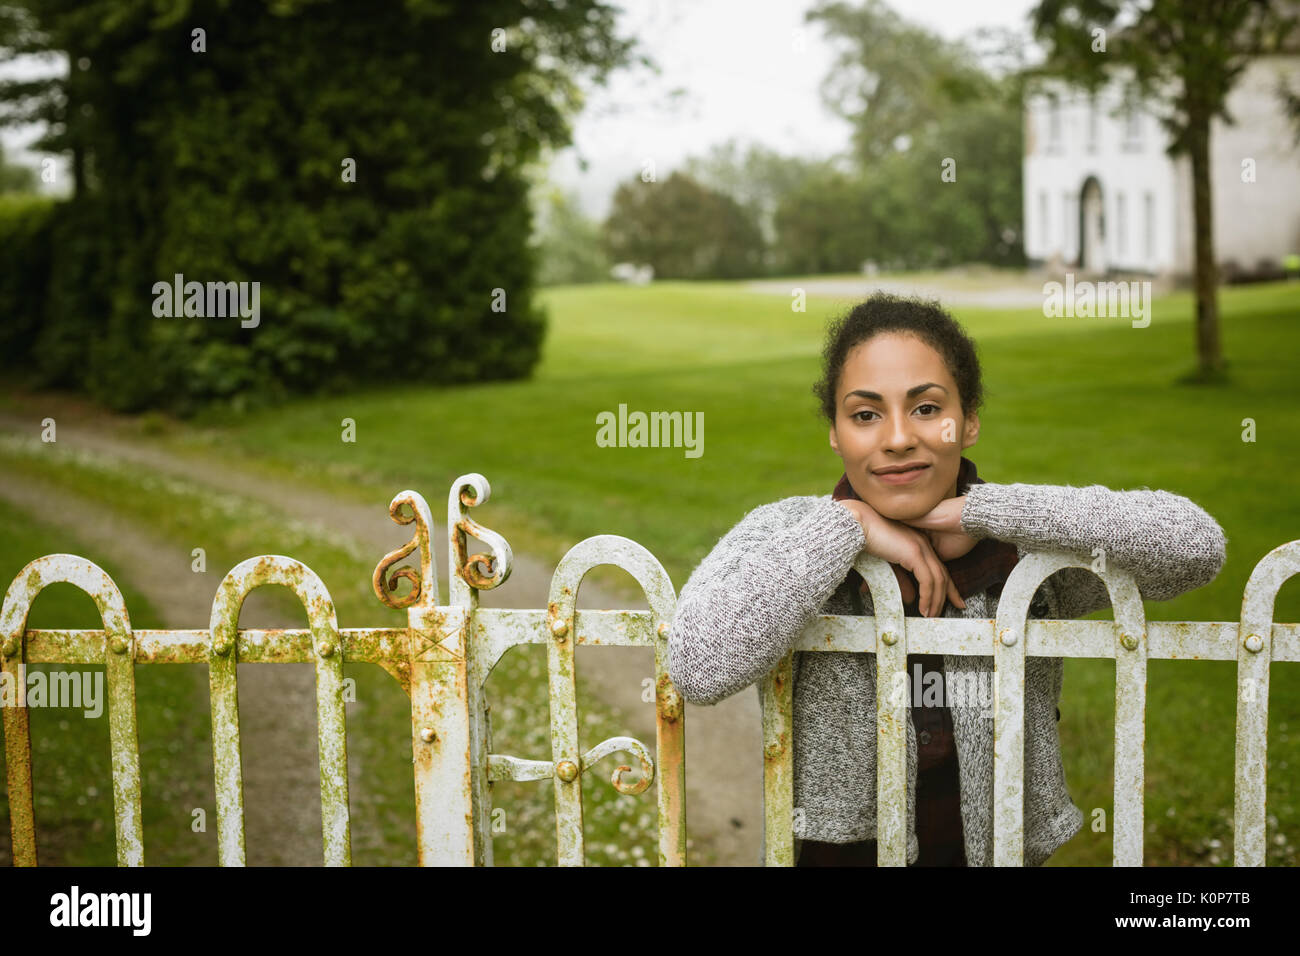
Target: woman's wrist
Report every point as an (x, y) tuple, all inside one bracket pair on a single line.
[(862, 512)]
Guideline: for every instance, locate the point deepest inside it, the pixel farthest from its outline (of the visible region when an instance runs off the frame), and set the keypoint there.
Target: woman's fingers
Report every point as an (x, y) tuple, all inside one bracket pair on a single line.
[(932, 586), (955, 596), (933, 583), (941, 584), (936, 582)]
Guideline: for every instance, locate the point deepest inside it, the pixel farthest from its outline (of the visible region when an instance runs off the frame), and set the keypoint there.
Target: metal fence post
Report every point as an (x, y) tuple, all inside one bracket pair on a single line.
[(440, 733)]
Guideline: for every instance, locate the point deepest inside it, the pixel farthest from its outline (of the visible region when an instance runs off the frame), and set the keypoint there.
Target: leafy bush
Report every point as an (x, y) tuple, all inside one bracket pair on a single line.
[(26, 224), (235, 162)]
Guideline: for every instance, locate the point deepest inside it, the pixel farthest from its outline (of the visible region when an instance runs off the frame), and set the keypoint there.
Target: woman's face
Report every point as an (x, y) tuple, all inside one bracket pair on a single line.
[(897, 404)]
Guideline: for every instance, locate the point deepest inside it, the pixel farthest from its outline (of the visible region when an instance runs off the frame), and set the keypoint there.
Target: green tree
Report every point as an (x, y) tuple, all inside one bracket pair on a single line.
[(1187, 57), (975, 212), (368, 168), (827, 224), (757, 178), (682, 230), (893, 80), (920, 105), (569, 245), (15, 178)]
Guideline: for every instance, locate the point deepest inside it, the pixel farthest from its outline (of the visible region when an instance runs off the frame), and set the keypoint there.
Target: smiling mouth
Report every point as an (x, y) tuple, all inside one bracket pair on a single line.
[(901, 478)]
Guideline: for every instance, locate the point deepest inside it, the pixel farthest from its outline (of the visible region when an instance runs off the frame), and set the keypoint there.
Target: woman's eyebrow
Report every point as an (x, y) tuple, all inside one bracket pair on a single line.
[(876, 396)]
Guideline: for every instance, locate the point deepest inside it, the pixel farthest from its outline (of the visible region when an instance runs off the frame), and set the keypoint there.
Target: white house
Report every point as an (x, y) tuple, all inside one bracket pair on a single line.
[(1101, 194)]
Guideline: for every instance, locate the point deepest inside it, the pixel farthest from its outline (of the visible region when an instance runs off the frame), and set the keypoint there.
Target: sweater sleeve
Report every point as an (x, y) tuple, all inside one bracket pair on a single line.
[(1168, 543), (743, 606)]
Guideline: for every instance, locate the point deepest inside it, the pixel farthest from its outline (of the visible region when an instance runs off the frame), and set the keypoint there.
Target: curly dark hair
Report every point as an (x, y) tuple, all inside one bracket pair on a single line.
[(923, 318)]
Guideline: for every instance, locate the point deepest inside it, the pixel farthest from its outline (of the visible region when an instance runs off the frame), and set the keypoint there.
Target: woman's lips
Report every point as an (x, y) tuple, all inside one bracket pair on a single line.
[(902, 477)]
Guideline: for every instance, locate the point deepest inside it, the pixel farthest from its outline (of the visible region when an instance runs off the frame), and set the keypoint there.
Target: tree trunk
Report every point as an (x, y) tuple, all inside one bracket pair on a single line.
[(1209, 356), (74, 122)]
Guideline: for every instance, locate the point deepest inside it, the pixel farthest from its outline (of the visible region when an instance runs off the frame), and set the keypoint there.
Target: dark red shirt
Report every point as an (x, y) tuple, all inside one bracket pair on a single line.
[(984, 567)]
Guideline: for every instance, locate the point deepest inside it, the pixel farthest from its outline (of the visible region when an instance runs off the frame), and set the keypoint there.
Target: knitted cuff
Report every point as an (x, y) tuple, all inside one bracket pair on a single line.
[(1003, 511), (837, 534)]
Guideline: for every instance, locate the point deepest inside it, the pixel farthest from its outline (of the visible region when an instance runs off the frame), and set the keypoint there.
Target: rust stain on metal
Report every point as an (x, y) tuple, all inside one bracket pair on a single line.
[(668, 702), (775, 750), (386, 589), (18, 773), (441, 660)]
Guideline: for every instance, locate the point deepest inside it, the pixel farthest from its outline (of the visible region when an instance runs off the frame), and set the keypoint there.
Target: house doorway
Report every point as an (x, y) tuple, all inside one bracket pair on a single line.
[(1092, 228)]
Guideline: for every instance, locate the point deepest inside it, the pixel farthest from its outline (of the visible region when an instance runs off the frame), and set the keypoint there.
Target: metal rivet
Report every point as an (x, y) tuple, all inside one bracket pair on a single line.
[(325, 648), (9, 649), (1008, 638), (222, 648), (1254, 643), (890, 638), (120, 646), (1129, 641), (560, 628), (567, 770), (428, 736), (663, 629)]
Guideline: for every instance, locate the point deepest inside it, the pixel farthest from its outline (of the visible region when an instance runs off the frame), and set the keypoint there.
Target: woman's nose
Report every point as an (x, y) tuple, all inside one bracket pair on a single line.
[(901, 435)]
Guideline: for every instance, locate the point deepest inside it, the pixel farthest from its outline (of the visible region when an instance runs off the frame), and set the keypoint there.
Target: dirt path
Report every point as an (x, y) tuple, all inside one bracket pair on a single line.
[(724, 742), (277, 705)]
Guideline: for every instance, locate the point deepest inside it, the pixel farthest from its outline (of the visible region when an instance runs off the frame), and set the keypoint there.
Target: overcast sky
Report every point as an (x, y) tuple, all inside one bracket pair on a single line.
[(740, 74)]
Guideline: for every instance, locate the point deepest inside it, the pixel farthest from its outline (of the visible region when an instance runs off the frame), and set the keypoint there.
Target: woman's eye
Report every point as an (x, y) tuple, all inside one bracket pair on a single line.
[(857, 416)]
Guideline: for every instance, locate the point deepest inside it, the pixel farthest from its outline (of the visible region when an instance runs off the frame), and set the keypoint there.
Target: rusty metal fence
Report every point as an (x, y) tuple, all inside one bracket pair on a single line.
[(443, 657)]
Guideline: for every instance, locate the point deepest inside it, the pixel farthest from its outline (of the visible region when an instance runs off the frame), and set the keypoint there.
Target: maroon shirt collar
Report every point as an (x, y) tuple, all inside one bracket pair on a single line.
[(984, 567)]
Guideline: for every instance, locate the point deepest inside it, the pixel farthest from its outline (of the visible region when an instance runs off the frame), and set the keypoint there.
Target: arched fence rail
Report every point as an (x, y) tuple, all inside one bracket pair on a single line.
[(442, 659)]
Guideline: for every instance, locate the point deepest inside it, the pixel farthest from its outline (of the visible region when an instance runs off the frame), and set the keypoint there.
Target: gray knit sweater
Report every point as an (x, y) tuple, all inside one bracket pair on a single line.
[(786, 562)]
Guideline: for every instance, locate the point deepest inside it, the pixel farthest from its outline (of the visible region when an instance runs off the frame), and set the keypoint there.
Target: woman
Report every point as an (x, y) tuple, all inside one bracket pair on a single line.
[(901, 392)]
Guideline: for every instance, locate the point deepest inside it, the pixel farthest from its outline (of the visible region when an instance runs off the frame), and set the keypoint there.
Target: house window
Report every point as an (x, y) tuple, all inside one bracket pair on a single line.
[(1133, 129), (1092, 124), (1149, 227), (1043, 231), (1069, 226), (1121, 225), (1054, 125)]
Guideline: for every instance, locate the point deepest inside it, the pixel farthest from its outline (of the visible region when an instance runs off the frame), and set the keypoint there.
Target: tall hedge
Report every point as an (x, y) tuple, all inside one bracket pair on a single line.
[(26, 224), (227, 163)]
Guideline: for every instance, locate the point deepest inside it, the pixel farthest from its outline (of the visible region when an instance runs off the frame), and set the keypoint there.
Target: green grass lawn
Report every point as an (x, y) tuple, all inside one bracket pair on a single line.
[(71, 760), (618, 827), (1069, 401)]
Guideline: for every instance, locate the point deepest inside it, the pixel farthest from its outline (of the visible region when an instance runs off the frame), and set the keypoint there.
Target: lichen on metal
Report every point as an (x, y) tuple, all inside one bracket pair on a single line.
[(443, 657), (447, 831), (563, 638), (892, 720), (502, 767), (331, 731), (116, 654), (776, 704), (1253, 657), (424, 583)]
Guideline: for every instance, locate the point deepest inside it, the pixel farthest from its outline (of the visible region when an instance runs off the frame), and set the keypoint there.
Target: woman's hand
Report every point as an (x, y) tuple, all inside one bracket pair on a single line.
[(899, 544), (943, 525)]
